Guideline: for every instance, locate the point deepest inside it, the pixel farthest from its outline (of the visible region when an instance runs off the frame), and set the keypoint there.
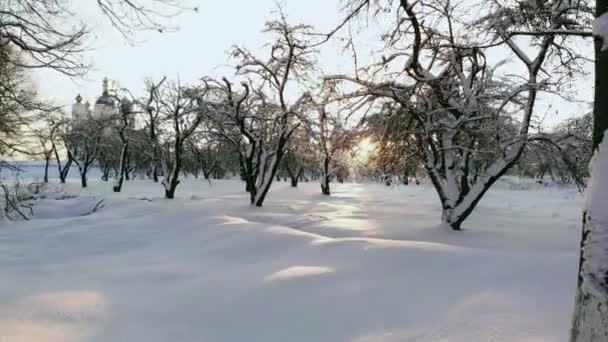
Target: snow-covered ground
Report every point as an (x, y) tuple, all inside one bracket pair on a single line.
[(367, 264)]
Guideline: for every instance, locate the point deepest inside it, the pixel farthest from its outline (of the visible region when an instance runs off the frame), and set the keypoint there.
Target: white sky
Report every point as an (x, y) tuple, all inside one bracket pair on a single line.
[(199, 48)]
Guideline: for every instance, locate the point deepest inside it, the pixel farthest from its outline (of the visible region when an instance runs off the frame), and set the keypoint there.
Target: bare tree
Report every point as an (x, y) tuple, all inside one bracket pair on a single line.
[(59, 140), (181, 109), (123, 124), (19, 104), (204, 154), (300, 155), (262, 114), (151, 108), (83, 142), (439, 75), (46, 135), (331, 137), (48, 34)]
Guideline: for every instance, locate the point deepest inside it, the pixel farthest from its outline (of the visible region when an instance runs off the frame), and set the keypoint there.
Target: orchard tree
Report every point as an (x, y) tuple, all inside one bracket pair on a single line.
[(182, 112), (259, 120), (152, 119), (123, 123), (300, 156), (436, 71), (83, 141), (331, 139)]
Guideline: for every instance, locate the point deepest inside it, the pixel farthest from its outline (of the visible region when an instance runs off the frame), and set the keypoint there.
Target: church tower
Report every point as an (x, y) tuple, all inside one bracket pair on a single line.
[(105, 106), (80, 111)]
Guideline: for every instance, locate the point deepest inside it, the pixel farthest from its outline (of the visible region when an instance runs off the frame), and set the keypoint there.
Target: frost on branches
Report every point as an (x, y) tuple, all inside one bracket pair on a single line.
[(470, 119), (259, 121)]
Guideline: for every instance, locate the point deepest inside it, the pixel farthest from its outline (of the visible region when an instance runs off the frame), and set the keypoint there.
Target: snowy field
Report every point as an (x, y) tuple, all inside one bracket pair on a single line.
[(367, 264)]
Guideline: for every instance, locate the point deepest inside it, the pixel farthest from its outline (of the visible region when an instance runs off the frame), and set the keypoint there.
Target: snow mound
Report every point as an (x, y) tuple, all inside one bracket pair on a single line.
[(66, 316), (65, 206), (299, 272)]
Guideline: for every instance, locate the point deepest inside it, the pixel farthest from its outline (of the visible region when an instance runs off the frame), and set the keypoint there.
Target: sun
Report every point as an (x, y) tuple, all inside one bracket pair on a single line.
[(365, 149)]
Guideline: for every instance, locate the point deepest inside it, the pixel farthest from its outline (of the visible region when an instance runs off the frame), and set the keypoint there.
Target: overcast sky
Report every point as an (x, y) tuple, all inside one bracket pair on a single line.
[(200, 46)]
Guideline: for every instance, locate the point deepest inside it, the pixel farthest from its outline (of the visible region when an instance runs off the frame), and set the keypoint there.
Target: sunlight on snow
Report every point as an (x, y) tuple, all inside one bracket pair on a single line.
[(67, 316), (347, 217), (229, 220), (299, 272)]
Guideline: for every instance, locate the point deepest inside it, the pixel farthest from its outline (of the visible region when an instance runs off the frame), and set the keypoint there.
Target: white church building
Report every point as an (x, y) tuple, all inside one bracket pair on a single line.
[(105, 106)]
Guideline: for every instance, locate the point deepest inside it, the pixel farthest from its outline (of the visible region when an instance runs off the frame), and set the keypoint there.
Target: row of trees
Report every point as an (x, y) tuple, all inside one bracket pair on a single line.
[(445, 109)]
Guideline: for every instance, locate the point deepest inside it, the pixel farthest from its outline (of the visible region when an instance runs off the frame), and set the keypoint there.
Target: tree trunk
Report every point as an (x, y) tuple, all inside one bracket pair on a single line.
[(63, 171), (155, 172), (208, 171), (83, 177), (298, 176), (123, 168), (105, 176), (388, 181), (590, 322), (172, 180), (126, 162), (325, 178), (264, 187), (293, 177), (46, 170)]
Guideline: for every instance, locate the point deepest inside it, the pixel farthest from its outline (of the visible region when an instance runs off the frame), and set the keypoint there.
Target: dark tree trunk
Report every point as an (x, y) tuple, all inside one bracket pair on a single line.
[(325, 178), (46, 169), (155, 172), (388, 181), (293, 177), (63, 171), (207, 172), (325, 188), (173, 178), (105, 176), (83, 176)]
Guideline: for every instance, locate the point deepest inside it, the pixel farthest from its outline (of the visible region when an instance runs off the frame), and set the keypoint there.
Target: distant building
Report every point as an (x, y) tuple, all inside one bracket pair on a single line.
[(105, 106), (81, 111)]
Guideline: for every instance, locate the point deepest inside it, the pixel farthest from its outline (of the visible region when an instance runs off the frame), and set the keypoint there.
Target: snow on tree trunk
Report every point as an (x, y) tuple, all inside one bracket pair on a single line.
[(590, 321), (122, 167), (268, 169), (63, 171)]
